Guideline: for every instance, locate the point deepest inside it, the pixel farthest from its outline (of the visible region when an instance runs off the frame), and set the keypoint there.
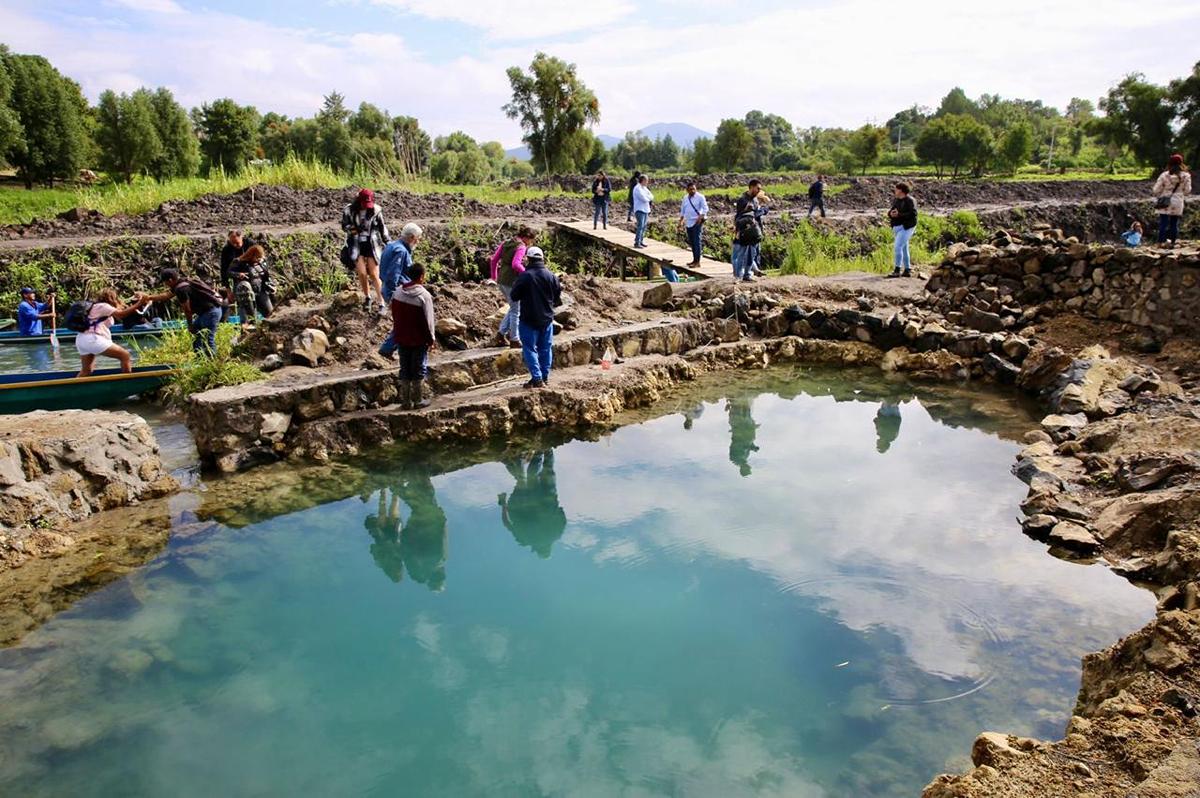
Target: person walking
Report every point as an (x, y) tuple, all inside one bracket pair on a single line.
[(413, 328), (539, 292), (96, 337), (816, 196), (366, 236), (747, 233), (1170, 192), (633, 181), (601, 197), (507, 263), (202, 307), (642, 199), (903, 216), (692, 213)]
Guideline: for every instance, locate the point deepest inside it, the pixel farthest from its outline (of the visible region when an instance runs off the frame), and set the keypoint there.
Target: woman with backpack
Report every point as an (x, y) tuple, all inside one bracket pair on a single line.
[(366, 235), (903, 218), (93, 321), (1170, 191)]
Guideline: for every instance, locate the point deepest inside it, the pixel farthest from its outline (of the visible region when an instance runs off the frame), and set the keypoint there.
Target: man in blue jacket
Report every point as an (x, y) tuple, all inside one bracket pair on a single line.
[(539, 292), (394, 265), (31, 312)]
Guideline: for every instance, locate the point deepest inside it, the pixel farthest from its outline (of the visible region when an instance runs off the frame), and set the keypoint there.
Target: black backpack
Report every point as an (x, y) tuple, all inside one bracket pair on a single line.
[(748, 231), (77, 320)]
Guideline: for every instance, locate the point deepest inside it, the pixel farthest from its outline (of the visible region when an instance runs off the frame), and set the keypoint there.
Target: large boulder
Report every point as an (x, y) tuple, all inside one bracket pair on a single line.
[(658, 296), (308, 347)]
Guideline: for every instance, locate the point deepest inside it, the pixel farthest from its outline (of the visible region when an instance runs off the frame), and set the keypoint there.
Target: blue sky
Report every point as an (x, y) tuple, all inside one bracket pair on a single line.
[(696, 61)]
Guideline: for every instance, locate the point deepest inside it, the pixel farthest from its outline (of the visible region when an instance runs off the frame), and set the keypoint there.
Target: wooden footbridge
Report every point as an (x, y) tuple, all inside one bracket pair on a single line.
[(654, 251)]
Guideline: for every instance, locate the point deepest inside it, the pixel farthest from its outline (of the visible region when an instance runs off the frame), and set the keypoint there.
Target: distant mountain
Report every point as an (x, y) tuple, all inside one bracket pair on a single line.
[(683, 134)]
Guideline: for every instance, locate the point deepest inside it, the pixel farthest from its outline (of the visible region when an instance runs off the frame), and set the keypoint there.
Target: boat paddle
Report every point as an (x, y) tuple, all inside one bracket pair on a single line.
[(53, 326)]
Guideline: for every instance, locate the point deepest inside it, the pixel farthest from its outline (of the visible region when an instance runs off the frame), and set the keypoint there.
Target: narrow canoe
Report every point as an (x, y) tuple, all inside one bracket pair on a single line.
[(139, 331), (62, 390)]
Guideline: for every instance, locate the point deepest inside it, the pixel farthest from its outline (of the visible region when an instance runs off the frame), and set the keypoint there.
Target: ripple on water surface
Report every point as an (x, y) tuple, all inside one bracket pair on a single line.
[(796, 584)]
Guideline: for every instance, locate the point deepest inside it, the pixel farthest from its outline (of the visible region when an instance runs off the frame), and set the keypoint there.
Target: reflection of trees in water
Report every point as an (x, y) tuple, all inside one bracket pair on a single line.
[(416, 544), (531, 512), (742, 432)]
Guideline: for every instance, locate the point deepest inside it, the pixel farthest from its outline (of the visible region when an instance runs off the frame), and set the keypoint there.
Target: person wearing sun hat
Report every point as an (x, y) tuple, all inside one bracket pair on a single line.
[(1170, 193), (30, 313), (366, 235), (539, 292)]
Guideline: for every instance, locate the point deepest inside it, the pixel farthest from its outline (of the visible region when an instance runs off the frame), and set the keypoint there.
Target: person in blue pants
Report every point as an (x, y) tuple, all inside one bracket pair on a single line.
[(539, 292), (903, 218), (394, 266)]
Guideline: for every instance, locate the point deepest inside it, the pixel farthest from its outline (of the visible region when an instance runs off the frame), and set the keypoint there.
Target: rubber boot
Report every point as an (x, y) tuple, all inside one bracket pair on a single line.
[(418, 401), (403, 394)]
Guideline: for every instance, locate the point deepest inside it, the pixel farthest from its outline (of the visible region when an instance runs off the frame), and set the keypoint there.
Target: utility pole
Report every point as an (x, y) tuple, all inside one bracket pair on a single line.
[(899, 137), (1050, 155)]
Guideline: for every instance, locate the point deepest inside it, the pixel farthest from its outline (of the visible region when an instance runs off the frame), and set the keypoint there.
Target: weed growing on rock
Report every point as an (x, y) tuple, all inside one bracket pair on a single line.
[(196, 373)]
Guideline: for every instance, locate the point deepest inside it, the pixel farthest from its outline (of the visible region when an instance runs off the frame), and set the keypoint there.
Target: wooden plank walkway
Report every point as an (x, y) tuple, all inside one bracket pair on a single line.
[(657, 251)]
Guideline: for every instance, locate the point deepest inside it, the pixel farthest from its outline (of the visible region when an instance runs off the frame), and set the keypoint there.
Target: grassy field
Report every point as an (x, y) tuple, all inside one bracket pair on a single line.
[(19, 206)]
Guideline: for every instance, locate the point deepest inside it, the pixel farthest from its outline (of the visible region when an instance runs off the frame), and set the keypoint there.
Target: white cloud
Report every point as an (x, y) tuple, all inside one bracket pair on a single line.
[(150, 6), (518, 19)]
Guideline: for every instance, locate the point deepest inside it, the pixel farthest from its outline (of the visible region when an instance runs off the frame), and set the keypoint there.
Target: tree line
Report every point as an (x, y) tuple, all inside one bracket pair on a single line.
[(49, 132)]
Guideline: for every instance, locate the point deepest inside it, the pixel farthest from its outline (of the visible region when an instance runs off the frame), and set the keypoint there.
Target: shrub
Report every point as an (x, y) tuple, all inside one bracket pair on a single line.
[(196, 373)]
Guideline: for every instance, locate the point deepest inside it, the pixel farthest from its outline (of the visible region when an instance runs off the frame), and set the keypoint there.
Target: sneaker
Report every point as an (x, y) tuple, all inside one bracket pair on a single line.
[(534, 384), (892, 275), (907, 273), (514, 344), (749, 278)]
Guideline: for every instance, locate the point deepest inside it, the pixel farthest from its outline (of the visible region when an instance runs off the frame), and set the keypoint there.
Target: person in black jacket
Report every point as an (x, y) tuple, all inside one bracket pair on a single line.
[(816, 196), (236, 245), (539, 292), (601, 195), (903, 216)]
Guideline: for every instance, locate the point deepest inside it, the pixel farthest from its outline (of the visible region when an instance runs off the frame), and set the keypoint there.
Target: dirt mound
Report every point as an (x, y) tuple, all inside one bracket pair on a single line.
[(353, 333)]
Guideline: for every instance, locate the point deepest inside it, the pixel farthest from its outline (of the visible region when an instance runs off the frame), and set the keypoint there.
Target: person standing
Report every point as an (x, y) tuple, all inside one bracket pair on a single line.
[(236, 245), (601, 196), (1170, 191), (903, 216), (747, 234), (96, 339), (692, 213), (642, 199), (507, 263), (394, 268), (366, 236), (539, 292), (413, 333), (31, 313), (816, 196), (633, 181), (202, 307)]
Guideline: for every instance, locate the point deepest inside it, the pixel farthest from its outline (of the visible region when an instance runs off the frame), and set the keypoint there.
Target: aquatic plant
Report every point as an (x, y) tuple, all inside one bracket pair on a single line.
[(196, 373)]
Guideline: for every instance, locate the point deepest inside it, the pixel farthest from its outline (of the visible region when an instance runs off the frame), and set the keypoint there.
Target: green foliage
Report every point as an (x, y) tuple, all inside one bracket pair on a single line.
[(11, 131), (228, 135), (957, 142), (126, 134), (780, 132), (198, 373), (180, 152), (1137, 117), (554, 108), (49, 112), (732, 144), (703, 156), (815, 251), (412, 145), (1185, 94), (1014, 148), (865, 146), (956, 103)]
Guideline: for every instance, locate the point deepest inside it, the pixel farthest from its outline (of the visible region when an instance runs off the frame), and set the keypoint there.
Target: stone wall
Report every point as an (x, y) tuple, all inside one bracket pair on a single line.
[(1008, 283)]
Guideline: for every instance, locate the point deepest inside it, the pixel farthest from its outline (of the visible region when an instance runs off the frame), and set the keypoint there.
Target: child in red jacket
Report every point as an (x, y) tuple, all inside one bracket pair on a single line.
[(413, 333)]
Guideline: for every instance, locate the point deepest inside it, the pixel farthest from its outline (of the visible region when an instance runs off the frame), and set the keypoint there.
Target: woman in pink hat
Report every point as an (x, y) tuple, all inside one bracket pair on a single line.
[(366, 235)]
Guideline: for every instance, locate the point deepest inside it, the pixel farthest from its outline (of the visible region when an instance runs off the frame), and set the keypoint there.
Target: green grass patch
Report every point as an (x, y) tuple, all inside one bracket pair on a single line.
[(197, 373)]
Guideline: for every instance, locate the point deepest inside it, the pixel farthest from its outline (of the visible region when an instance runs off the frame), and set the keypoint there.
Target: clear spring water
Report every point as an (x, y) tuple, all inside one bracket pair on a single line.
[(803, 584), (33, 358)]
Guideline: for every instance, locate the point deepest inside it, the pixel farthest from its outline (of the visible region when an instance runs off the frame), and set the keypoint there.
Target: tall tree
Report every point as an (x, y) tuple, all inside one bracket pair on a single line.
[(411, 144), (555, 109), (866, 145), (370, 122), (274, 136), (10, 125), (702, 156), (732, 144), (125, 133), (1185, 94), (180, 153), (956, 102), (781, 132), (1015, 147), (334, 145), (228, 134), (50, 110), (1137, 117)]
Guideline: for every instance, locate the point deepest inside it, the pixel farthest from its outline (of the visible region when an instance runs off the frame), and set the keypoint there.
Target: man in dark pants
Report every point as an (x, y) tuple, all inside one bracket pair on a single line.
[(539, 292), (202, 307), (236, 245), (816, 196)]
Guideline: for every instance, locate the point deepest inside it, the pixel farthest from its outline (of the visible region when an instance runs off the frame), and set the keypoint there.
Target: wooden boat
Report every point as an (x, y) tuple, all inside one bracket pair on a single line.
[(67, 336), (62, 390)]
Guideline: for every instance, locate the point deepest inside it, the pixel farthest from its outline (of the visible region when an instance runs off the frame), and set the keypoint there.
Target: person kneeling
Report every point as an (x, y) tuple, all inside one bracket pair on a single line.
[(93, 321), (413, 333)]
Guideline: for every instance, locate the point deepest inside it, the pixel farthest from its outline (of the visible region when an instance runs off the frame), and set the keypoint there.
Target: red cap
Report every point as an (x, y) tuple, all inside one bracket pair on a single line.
[(366, 198), (1176, 160)]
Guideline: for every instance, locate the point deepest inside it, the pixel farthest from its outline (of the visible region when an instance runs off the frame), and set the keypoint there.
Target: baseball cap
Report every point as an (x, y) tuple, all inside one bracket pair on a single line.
[(26, 290), (535, 253), (366, 198)]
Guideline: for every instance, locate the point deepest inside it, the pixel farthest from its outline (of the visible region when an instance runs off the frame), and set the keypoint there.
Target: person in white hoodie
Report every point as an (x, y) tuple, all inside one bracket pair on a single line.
[(1171, 190), (641, 210), (413, 334)]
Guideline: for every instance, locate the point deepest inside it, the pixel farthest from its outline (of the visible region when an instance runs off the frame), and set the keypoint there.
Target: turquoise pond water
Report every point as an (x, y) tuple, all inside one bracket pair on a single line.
[(795, 584), (32, 358)]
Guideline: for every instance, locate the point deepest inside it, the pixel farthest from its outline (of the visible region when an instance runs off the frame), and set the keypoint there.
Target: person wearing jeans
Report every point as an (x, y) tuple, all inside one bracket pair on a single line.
[(692, 213), (641, 210), (539, 292), (506, 265), (903, 216), (601, 196), (1171, 189), (204, 330), (202, 307)]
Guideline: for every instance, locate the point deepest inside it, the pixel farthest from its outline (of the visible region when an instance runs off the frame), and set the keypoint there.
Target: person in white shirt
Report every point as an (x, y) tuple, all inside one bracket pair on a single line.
[(641, 210), (692, 214), (97, 338)]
